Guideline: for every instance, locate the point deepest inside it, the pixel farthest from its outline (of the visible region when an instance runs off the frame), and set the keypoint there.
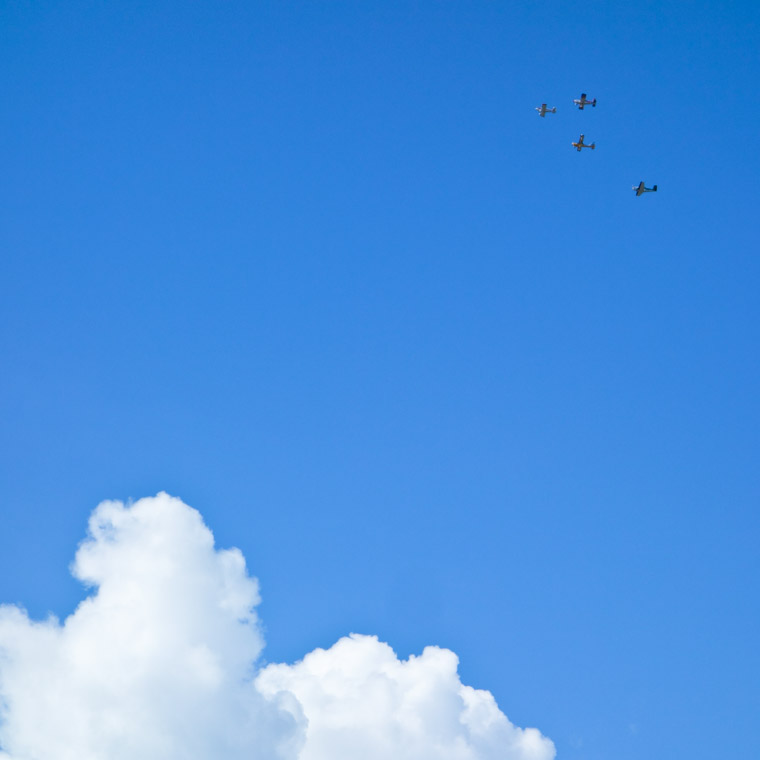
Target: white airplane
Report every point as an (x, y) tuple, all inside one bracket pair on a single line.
[(640, 190), (580, 102), (544, 110), (580, 144)]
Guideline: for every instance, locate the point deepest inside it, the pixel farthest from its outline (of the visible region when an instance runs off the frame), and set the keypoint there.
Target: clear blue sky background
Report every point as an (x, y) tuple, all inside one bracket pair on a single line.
[(321, 270)]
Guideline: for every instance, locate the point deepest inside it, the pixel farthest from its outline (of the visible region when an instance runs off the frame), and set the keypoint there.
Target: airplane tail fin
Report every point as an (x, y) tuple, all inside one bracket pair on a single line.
[(654, 188)]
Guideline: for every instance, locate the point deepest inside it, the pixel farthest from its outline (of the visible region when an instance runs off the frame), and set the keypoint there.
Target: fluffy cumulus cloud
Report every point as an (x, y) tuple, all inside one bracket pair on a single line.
[(159, 662), (363, 702)]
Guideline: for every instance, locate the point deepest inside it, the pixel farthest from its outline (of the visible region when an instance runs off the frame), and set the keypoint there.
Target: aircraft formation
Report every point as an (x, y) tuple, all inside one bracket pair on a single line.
[(582, 102)]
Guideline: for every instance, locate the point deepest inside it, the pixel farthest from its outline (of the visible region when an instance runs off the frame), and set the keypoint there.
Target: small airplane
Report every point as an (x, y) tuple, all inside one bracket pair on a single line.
[(640, 190), (580, 144), (544, 110), (583, 102)]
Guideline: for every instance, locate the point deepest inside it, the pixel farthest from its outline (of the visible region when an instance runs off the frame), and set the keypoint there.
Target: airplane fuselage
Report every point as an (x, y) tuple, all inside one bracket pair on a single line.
[(580, 144), (583, 102), (640, 189)]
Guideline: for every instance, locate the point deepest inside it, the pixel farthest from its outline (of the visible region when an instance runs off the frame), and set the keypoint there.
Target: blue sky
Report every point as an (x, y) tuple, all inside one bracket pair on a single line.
[(322, 272)]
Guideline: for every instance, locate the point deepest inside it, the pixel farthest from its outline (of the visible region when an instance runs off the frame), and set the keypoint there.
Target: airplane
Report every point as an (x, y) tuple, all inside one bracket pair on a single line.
[(583, 102), (640, 190), (544, 110), (580, 144)]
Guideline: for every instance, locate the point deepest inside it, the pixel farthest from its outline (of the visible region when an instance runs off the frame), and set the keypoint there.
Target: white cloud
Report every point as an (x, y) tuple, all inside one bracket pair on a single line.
[(156, 664), (363, 702), (160, 662)]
